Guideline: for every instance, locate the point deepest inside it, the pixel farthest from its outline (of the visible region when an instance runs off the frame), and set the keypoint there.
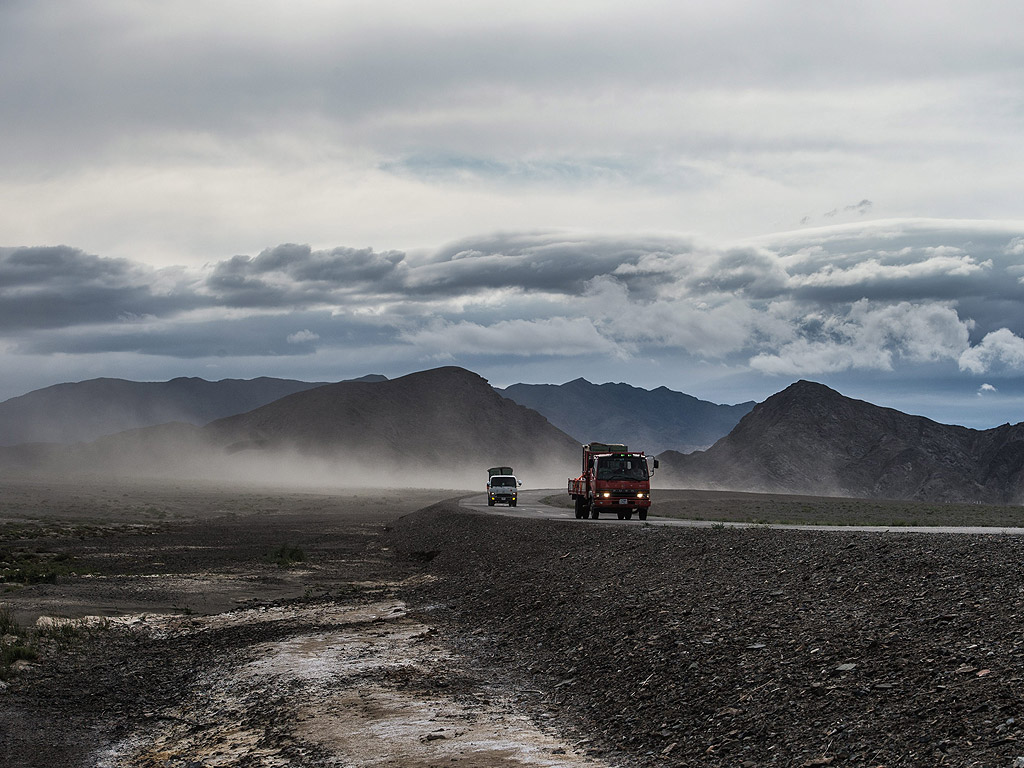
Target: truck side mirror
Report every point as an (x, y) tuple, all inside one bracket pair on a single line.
[(655, 463)]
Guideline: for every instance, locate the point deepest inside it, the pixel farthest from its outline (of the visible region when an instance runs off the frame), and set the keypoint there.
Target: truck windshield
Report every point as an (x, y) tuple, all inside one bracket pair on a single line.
[(622, 468), (501, 482)]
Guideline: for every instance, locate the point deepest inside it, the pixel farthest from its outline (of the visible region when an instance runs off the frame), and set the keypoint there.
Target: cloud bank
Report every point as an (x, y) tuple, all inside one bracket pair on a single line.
[(889, 297)]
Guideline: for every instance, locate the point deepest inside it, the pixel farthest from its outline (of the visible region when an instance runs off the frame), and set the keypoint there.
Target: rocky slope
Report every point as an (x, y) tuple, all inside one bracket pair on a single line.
[(649, 420), (810, 439)]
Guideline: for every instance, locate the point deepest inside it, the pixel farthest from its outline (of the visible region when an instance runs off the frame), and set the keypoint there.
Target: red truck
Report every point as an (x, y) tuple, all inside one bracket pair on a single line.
[(614, 479)]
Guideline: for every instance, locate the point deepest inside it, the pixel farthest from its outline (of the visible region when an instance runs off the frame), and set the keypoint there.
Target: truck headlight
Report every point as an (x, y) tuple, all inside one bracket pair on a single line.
[(639, 494), (606, 494)]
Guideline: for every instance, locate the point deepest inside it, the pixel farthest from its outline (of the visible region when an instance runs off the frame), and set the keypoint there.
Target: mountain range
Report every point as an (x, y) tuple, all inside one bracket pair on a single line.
[(87, 410), (809, 439), (439, 427), (650, 420), (445, 426)]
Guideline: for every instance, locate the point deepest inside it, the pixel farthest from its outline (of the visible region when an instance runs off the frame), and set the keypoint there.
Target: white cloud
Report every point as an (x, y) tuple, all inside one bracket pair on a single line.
[(935, 262), (304, 336), (997, 349), (985, 389), (868, 337)]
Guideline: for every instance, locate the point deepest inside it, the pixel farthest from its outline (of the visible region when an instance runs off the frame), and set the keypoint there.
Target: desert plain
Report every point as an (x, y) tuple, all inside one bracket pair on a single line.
[(184, 624)]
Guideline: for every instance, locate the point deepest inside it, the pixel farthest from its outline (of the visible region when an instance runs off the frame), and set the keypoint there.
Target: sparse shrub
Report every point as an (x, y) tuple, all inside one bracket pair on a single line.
[(64, 631), (12, 653), (8, 625), (287, 555)]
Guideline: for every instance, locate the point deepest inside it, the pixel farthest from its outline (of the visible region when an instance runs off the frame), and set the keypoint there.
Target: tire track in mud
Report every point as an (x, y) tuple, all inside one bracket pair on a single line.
[(354, 685)]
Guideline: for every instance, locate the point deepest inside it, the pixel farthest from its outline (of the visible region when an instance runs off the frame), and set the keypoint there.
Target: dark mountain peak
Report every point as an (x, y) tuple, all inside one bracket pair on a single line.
[(445, 372), (444, 417), (804, 385), (811, 439), (806, 390)]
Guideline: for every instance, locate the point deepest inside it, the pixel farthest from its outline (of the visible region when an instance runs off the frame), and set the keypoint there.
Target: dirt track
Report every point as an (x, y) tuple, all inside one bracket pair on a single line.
[(526, 642)]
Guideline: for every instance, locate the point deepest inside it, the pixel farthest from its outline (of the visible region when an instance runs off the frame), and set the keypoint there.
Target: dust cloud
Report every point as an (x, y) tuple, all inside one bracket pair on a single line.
[(180, 456)]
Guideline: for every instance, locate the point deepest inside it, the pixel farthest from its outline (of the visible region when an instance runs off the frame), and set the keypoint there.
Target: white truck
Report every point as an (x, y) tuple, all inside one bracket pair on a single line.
[(502, 486)]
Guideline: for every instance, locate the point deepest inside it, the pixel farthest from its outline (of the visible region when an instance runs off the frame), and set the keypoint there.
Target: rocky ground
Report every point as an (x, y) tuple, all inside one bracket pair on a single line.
[(726, 647), (444, 636)]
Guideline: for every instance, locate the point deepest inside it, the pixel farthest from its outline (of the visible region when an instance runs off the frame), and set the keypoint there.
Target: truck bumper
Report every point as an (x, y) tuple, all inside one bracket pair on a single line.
[(621, 503)]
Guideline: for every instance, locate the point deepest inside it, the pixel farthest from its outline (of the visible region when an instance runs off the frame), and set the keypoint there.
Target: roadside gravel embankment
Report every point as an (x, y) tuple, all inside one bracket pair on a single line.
[(724, 647)]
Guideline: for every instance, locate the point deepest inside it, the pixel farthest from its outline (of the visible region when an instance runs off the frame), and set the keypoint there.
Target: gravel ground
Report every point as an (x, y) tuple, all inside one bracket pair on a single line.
[(640, 645), (724, 647)]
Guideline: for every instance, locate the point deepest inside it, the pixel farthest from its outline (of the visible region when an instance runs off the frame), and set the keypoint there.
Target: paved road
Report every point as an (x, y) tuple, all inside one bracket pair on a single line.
[(531, 506)]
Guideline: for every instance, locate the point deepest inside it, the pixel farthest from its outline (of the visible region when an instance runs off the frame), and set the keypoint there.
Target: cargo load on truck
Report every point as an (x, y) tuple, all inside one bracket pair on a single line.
[(502, 486), (613, 479)]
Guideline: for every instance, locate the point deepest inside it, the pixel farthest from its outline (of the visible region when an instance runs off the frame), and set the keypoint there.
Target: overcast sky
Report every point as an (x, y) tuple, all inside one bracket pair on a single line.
[(720, 198)]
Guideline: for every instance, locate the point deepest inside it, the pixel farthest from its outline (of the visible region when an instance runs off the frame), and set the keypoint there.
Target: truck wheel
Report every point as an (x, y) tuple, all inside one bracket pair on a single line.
[(642, 514), (581, 510), (594, 513)]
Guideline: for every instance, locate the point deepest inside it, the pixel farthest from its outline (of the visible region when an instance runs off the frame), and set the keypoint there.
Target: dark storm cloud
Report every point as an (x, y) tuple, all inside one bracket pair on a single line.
[(296, 274), (543, 261), (979, 268), (53, 287), (32, 267), (873, 297)]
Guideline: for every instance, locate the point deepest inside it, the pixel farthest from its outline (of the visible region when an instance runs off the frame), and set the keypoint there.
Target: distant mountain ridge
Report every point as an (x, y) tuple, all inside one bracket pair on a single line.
[(441, 415), (649, 420), (809, 439), (86, 410), (83, 411), (446, 426)]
